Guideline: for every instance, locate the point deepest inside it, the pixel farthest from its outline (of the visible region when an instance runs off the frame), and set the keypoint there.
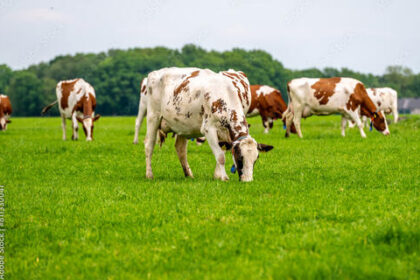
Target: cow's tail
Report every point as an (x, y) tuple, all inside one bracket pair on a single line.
[(288, 114), (48, 107), (140, 117)]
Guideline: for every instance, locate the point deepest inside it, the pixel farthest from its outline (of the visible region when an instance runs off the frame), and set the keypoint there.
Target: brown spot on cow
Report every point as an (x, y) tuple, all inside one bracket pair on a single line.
[(185, 82), (66, 89), (207, 96), (86, 105), (373, 91), (254, 97), (218, 106), (233, 116), (325, 88), (379, 103)]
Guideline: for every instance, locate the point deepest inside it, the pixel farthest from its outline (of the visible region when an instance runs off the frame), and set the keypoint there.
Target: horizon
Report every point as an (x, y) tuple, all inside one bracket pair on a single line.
[(362, 37)]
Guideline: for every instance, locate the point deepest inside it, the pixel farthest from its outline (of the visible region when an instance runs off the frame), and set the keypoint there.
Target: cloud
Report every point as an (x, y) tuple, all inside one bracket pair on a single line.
[(39, 15)]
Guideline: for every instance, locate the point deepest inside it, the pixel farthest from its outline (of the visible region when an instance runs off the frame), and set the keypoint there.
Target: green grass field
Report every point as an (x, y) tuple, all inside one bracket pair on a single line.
[(319, 207)]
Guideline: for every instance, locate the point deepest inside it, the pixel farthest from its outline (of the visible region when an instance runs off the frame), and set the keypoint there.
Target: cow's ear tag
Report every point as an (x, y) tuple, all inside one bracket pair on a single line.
[(284, 126), (192, 139), (371, 126), (233, 169)]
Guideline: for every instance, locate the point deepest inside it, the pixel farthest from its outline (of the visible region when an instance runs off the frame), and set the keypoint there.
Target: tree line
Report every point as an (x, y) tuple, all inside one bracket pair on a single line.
[(116, 75)]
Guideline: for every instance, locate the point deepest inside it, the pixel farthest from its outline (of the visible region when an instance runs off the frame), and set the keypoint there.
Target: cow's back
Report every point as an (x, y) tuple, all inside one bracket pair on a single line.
[(266, 101), (322, 92), (384, 98)]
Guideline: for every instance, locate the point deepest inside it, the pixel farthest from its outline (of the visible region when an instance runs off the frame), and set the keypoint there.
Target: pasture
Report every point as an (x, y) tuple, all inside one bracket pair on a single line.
[(319, 207)]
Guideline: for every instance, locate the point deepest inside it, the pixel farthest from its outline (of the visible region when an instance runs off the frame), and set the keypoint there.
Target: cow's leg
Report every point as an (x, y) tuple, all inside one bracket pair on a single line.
[(75, 125), (181, 144), (139, 120), (395, 113), (297, 115), (354, 115), (289, 121), (343, 125), (63, 126), (149, 144), (219, 154), (265, 123), (386, 123)]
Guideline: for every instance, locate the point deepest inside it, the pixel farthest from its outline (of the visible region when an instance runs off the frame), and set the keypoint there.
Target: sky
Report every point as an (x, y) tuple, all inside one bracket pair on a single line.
[(363, 35)]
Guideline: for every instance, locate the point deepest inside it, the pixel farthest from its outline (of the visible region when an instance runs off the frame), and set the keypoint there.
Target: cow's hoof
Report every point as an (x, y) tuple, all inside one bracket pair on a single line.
[(149, 175), (286, 135), (222, 178), (135, 142)]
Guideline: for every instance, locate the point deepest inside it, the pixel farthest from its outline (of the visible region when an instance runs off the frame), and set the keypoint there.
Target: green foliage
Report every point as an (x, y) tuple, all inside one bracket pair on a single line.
[(116, 75), (321, 207)]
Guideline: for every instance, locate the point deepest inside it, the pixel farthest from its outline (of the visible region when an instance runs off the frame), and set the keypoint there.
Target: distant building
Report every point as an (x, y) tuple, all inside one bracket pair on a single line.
[(409, 106)]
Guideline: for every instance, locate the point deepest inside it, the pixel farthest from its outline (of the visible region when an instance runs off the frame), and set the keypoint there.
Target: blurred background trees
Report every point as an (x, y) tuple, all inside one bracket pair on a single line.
[(116, 75)]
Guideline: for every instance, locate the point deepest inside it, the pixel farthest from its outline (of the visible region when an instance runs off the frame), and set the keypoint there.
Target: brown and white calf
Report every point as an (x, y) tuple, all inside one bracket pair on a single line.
[(194, 102), (76, 101), (325, 96), (386, 101), (267, 102), (5, 111)]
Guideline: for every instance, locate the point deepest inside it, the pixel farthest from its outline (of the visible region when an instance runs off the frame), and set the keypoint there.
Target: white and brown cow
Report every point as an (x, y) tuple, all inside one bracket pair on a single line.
[(325, 96), (195, 102), (76, 101), (267, 102), (386, 101), (5, 111)]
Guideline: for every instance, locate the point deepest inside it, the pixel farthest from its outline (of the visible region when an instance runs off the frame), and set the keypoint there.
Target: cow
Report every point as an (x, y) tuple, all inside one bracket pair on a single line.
[(5, 111), (195, 102), (325, 96), (267, 102), (386, 100), (76, 101)]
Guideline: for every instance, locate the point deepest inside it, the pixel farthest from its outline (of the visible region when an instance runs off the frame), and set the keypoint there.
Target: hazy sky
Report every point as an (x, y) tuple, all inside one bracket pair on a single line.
[(364, 35)]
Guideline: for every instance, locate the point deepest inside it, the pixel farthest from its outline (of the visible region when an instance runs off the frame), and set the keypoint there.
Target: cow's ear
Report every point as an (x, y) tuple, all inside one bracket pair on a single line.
[(79, 119), (264, 147), (96, 117), (227, 145), (8, 121)]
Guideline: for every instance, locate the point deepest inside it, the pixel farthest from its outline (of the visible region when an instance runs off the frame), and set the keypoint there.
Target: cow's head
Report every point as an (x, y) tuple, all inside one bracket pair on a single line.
[(4, 122), (88, 125), (245, 152), (379, 122)]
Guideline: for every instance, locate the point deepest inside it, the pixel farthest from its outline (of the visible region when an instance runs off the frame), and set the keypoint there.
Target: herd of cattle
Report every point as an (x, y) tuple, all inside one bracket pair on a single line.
[(193, 102)]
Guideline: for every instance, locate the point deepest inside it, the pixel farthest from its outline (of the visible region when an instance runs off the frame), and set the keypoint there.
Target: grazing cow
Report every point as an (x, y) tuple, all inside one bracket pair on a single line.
[(325, 96), (385, 99), (5, 111), (268, 103), (76, 101), (195, 102)]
